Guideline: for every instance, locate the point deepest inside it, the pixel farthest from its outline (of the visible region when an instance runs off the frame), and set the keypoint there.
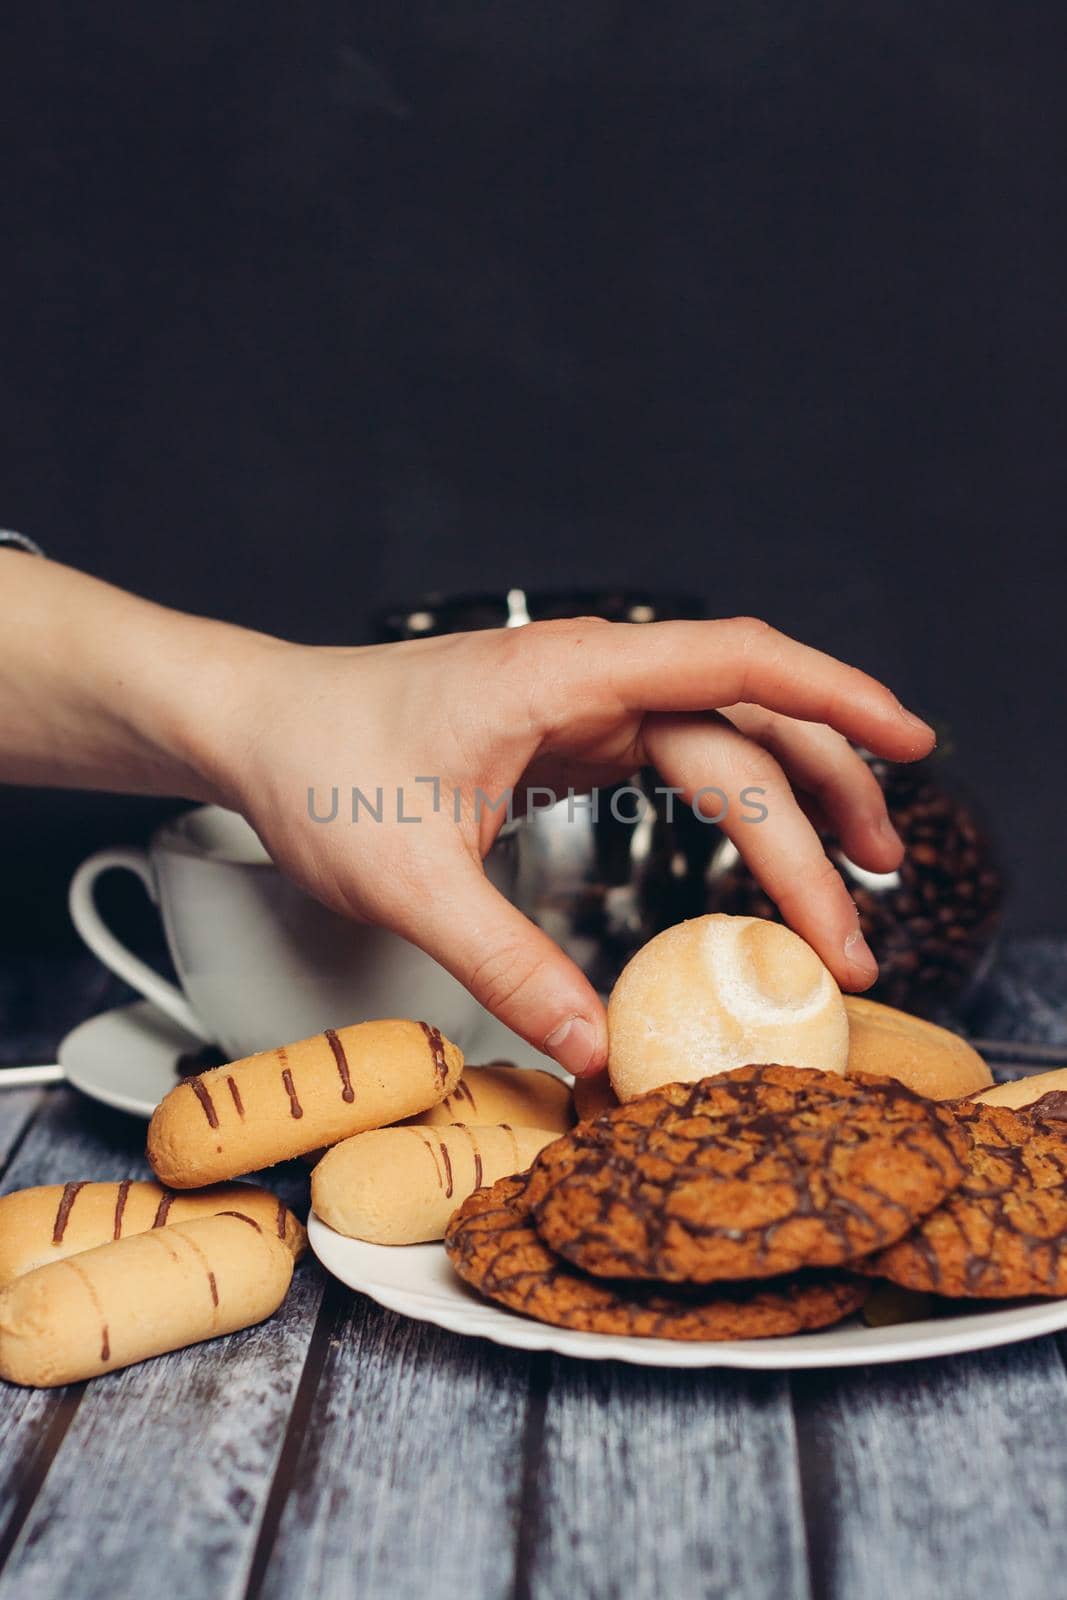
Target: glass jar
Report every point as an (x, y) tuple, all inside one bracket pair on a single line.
[(434, 614)]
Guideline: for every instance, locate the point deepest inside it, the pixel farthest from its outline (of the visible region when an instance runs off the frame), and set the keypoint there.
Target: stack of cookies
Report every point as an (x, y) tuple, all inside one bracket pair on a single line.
[(764, 1202)]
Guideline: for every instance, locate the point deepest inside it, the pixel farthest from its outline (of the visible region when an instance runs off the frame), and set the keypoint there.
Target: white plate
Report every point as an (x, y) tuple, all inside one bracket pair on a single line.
[(128, 1058), (417, 1281)]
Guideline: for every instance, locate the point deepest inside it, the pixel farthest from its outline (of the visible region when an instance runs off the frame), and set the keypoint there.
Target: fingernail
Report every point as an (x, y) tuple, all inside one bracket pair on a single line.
[(573, 1044), (889, 833), (860, 954), (913, 720)]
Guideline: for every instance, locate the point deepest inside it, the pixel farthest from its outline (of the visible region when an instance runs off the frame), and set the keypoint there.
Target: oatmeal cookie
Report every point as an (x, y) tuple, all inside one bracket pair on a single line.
[(749, 1174), (1003, 1232), (493, 1246)]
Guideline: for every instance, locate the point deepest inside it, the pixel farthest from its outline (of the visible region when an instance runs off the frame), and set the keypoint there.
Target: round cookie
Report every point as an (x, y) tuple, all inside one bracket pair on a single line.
[(1003, 1233), (718, 992), (929, 1059), (493, 1246), (749, 1175)]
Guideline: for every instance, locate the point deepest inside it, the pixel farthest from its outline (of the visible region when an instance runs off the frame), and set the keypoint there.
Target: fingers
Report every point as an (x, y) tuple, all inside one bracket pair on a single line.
[(513, 968), (782, 851), (844, 790), (699, 666)]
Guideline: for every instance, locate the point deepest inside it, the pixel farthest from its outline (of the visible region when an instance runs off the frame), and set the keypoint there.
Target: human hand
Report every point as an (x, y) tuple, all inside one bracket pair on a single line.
[(100, 689), (572, 704)]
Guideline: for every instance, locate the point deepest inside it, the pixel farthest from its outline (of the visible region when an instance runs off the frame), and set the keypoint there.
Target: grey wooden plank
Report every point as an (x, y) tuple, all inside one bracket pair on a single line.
[(165, 1468), (410, 1474), (658, 1482), (17, 1106), (26, 1416), (939, 1481), (62, 1141), (71, 1139), (164, 1473)]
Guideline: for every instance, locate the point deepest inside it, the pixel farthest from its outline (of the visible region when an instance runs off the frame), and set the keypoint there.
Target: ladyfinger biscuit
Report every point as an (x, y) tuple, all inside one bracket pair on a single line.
[(401, 1185), (140, 1297), (282, 1103), (63, 1219), (524, 1097), (1043, 1095)]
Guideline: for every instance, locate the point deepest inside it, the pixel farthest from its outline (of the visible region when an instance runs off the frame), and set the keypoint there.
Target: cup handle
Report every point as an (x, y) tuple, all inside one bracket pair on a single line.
[(111, 951)]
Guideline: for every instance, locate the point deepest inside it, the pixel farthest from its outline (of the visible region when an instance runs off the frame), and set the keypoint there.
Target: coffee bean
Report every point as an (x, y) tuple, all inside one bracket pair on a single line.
[(930, 929)]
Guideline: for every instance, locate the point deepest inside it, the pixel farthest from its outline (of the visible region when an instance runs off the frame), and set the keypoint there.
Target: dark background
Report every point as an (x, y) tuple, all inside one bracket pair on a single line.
[(309, 308)]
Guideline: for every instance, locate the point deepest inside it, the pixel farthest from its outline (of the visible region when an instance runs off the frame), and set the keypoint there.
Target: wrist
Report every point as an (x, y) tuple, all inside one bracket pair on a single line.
[(192, 713), (100, 689)]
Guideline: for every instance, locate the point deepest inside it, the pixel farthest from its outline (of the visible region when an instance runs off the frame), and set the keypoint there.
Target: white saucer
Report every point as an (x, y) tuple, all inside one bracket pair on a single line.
[(128, 1058), (418, 1282)]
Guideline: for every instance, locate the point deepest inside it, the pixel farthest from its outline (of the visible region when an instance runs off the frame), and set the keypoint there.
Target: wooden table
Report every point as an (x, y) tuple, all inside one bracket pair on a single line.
[(341, 1451)]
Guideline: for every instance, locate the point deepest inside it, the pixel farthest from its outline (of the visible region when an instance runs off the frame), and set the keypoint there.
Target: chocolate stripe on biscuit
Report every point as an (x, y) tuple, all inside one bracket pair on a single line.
[(105, 1338), (296, 1110), (120, 1206), (202, 1258), (427, 1144), (71, 1191), (348, 1094), (241, 1217), (199, 1089), (477, 1154), (437, 1050)]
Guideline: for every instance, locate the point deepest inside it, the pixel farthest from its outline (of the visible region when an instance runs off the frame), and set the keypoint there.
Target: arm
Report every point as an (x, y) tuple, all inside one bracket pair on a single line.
[(102, 690)]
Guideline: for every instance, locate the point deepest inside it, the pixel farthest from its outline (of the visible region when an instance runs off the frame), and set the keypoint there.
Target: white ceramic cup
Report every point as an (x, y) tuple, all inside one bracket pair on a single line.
[(260, 962)]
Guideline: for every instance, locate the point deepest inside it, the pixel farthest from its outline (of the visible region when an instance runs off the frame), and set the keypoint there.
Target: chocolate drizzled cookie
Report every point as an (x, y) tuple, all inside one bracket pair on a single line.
[(493, 1246), (757, 1172), (1003, 1233)]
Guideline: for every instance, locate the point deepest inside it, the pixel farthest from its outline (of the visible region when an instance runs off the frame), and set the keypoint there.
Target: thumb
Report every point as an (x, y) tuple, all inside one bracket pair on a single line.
[(510, 966)]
